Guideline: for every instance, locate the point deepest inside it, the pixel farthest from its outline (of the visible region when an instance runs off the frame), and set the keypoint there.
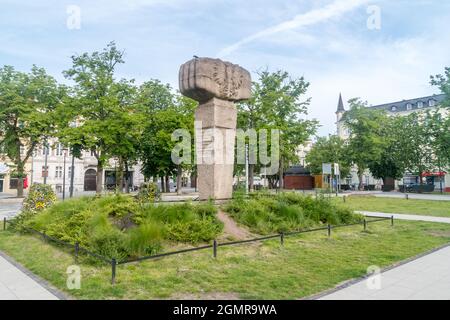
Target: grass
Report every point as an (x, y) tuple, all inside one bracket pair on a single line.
[(305, 265), (395, 205)]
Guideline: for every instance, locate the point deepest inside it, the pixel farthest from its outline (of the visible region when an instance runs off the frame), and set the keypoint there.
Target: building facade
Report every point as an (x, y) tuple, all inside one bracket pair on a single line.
[(54, 164), (399, 108)]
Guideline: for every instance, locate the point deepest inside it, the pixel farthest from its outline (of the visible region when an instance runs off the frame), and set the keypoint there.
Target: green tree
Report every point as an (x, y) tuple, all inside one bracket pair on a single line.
[(328, 150), (365, 144), (416, 148), (98, 100), (440, 120), (278, 103), (390, 165), (166, 112), (442, 81), (27, 101)]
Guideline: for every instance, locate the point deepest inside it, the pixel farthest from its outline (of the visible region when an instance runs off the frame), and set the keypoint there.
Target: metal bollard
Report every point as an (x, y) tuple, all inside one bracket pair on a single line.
[(4, 223), (282, 238), (215, 248), (329, 230), (77, 249), (407, 196), (392, 221), (113, 271), (365, 225)]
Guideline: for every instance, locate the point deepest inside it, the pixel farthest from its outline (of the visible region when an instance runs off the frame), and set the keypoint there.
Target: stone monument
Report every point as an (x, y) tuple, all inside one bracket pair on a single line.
[(216, 85)]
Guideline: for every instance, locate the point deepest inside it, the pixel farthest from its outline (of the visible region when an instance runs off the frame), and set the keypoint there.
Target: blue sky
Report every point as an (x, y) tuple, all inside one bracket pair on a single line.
[(326, 41)]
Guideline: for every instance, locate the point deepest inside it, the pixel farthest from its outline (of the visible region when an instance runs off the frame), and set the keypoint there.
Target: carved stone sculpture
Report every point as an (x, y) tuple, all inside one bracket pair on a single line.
[(215, 84)]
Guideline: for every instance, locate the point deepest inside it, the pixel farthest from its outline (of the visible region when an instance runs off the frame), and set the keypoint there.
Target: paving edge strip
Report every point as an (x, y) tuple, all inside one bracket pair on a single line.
[(45, 284), (351, 282)]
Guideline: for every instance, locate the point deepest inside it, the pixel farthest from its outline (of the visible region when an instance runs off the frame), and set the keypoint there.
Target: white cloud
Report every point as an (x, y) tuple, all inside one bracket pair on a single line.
[(333, 10)]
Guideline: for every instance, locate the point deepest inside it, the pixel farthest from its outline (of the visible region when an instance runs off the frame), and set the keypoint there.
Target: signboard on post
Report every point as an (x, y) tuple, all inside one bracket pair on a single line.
[(326, 168), (336, 169)]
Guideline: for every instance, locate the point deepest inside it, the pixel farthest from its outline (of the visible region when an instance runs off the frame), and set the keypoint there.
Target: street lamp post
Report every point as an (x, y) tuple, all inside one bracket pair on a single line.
[(64, 175)]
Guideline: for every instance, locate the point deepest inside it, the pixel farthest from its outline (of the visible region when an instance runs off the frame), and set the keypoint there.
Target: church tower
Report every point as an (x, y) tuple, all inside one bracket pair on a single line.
[(339, 114)]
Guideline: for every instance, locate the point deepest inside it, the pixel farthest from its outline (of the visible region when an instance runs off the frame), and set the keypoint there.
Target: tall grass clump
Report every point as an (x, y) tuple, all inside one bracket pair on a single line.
[(121, 226), (267, 213)]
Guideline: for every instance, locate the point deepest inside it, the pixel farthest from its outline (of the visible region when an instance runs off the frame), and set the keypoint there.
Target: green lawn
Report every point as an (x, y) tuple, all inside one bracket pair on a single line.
[(305, 265), (395, 205)]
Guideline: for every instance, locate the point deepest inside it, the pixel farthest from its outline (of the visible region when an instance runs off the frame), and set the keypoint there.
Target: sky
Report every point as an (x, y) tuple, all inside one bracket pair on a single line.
[(381, 51)]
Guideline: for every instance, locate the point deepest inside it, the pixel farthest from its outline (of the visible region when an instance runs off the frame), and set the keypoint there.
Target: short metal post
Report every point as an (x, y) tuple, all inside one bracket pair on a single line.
[(77, 249), (392, 221), (407, 196), (365, 225), (113, 270), (329, 230), (215, 248), (4, 223), (282, 238)]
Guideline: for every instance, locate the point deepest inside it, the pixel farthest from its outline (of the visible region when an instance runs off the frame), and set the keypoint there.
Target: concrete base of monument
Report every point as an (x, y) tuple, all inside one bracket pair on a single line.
[(215, 181)]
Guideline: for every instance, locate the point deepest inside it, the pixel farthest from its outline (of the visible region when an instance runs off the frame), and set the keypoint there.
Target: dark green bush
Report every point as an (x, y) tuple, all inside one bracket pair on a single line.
[(267, 213), (119, 227)]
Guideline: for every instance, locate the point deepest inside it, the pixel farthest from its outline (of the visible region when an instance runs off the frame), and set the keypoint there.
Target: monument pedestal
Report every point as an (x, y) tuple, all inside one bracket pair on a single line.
[(215, 148), (215, 84)]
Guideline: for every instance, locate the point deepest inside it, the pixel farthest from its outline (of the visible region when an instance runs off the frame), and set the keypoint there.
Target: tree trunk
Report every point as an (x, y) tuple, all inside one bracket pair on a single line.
[(20, 180), (120, 180), (360, 177), (99, 186), (127, 178), (251, 171), (167, 184), (163, 187), (281, 177), (179, 176)]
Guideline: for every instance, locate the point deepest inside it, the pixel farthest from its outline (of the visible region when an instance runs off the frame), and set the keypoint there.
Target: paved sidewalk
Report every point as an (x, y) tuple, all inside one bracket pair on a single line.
[(399, 195), (426, 278), (401, 216), (16, 285)]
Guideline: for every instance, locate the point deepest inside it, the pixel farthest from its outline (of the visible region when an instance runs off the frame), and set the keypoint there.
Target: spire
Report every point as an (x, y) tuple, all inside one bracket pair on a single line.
[(340, 107)]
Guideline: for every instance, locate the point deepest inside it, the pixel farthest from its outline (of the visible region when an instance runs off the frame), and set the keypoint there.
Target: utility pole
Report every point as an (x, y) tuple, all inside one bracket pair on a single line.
[(440, 176), (246, 168), (46, 160), (72, 172), (64, 175)]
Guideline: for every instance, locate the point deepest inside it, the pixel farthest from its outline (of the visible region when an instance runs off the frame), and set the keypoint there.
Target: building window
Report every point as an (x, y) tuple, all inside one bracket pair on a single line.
[(59, 149), (420, 104), (431, 103), (58, 172), (13, 183), (408, 106), (393, 108), (44, 171)]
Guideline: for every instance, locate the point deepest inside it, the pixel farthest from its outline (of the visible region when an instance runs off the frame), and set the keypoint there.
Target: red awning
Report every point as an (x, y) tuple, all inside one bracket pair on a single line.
[(434, 174)]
